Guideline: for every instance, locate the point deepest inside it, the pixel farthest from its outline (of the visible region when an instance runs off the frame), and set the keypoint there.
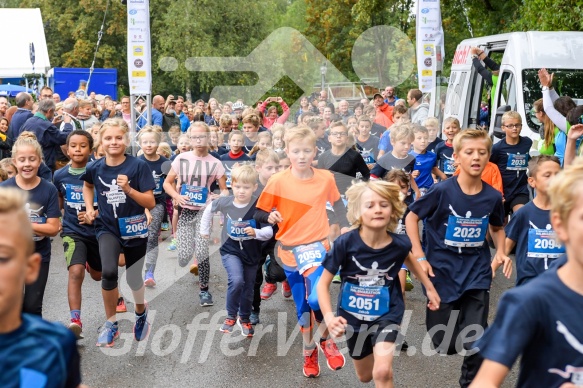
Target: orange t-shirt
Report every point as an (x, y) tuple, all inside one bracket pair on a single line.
[(491, 175), (302, 205)]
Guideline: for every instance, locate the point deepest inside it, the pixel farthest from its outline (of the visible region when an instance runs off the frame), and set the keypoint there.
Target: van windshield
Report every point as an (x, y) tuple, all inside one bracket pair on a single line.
[(567, 83)]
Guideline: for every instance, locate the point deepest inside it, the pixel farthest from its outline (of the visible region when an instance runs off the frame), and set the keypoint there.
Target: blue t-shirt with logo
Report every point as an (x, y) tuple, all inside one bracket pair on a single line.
[(39, 354), (433, 145), (43, 203), (512, 160), (536, 243), (119, 214), (541, 323), (455, 233), (159, 170), (71, 189), (371, 290), (424, 163)]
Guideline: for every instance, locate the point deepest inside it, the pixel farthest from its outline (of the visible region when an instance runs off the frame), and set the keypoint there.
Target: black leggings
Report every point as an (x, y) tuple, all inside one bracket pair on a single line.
[(109, 249), (34, 293)]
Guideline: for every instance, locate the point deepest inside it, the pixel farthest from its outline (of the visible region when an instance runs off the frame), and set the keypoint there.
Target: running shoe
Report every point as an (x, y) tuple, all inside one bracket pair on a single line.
[(336, 279), (76, 327), (121, 305), (194, 269), (268, 290), (247, 329), (409, 283), (286, 289), (149, 280), (108, 333), (206, 299), (165, 226), (142, 326), (335, 359), (228, 325), (311, 366), (172, 245), (254, 318)]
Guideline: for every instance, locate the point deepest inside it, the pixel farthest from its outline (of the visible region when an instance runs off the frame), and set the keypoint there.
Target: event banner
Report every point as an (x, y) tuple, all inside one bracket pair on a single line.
[(429, 42), (139, 53)]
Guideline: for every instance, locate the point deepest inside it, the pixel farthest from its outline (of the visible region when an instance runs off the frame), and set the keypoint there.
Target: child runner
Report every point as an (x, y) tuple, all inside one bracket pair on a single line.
[(240, 246), (79, 242), (511, 155), (194, 172), (458, 212), (369, 258), (529, 228), (263, 142), (123, 186), (183, 146), (235, 154), (284, 162), (34, 352), (424, 160), (7, 164), (400, 116), (432, 125), (299, 195), (251, 124), (541, 321), (174, 134), (444, 165), (149, 138), (367, 143), (43, 211), (318, 125), (277, 140)]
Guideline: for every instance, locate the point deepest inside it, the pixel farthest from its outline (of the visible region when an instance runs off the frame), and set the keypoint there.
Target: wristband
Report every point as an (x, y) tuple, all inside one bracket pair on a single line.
[(419, 260), (131, 188)]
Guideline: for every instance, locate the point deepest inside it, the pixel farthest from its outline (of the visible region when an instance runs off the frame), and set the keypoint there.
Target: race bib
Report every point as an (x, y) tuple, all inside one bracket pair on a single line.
[(133, 227), (74, 195), (308, 256), (448, 167), (197, 195), (543, 243), (366, 303), (159, 186), (368, 158), (465, 232), (228, 174), (236, 229), (37, 220), (517, 162), (401, 228)]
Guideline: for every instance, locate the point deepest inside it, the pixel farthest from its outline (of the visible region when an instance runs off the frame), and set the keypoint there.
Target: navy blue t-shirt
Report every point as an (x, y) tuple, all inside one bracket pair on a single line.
[(455, 232), (389, 162), (512, 160), (536, 243), (71, 189), (363, 266), (159, 170), (43, 203), (444, 161), (229, 161), (431, 147), (39, 354), (117, 210), (541, 323), (424, 163)]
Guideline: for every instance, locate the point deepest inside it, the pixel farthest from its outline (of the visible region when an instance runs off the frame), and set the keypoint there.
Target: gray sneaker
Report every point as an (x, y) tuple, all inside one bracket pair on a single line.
[(254, 318), (206, 299)]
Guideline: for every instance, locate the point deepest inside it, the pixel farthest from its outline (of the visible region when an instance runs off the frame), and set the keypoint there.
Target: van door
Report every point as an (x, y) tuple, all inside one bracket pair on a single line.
[(505, 98)]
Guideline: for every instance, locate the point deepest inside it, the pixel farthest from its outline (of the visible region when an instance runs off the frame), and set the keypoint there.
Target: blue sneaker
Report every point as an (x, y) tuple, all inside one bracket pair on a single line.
[(165, 226), (206, 299), (142, 326), (254, 318), (172, 245), (108, 333), (149, 280)]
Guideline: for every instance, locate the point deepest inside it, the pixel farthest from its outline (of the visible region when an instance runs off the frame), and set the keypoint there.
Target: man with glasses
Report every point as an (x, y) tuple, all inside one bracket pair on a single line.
[(46, 93), (126, 110)]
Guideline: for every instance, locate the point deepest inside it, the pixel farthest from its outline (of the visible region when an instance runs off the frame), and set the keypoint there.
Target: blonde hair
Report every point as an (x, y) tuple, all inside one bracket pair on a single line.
[(277, 130), (113, 122), (511, 114), (564, 190), (389, 191), (199, 124), (165, 149), (3, 175), (236, 132), (244, 173), (13, 202), (265, 156), (7, 162), (314, 122), (431, 121), (419, 129), (27, 139), (449, 120), (260, 136), (252, 119), (277, 127), (364, 118), (301, 133), (225, 120), (471, 134), (402, 131), (150, 129)]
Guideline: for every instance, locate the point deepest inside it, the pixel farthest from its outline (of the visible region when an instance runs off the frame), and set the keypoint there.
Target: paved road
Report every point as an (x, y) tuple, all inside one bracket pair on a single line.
[(185, 347)]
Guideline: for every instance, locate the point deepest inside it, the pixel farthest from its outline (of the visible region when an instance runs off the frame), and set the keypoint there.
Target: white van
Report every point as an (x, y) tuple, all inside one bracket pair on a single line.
[(523, 54)]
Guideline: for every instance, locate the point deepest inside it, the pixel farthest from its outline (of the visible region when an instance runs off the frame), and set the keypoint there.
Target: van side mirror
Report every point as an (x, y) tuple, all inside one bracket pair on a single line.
[(498, 132)]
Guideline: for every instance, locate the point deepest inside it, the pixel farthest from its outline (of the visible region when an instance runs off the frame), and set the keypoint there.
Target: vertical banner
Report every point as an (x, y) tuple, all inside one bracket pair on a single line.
[(429, 41), (139, 53)]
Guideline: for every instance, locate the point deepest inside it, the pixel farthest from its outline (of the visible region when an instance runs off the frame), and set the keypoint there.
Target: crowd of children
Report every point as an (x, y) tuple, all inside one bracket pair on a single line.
[(303, 205)]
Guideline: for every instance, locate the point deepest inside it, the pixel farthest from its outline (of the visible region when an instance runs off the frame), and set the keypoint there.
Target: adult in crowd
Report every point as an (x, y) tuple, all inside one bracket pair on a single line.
[(343, 111), (170, 117), (24, 104), (418, 110), (272, 116), (44, 125), (304, 107), (56, 98), (85, 116), (390, 97), (46, 93), (158, 103), (184, 121), (126, 110), (384, 112), (3, 106)]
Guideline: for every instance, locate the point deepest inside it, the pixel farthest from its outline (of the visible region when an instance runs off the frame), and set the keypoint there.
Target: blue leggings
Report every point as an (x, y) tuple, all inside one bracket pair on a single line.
[(305, 294)]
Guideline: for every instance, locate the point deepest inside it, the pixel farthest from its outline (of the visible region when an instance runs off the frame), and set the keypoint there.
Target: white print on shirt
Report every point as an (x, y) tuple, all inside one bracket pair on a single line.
[(468, 213), (32, 212), (320, 150), (156, 176), (114, 196), (374, 276), (548, 227), (576, 373), (366, 152)]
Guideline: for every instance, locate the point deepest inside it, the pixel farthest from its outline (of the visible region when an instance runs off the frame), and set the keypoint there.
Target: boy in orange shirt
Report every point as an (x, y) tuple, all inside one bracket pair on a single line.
[(295, 199)]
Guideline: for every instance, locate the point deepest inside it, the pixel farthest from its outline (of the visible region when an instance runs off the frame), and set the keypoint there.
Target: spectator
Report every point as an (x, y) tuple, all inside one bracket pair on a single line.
[(484, 115), (418, 111), (384, 112), (343, 111), (85, 116), (390, 97), (46, 92), (304, 107), (126, 110), (157, 110), (56, 98), (170, 118), (184, 121), (358, 110), (490, 77), (271, 116), (24, 104), (3, 106)]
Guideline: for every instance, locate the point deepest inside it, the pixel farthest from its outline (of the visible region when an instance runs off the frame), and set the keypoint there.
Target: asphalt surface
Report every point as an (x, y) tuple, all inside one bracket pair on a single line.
[(185, 347)]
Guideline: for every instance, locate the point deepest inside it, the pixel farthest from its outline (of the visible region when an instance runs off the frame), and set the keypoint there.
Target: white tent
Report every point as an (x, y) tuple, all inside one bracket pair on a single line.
[(22, 26)]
